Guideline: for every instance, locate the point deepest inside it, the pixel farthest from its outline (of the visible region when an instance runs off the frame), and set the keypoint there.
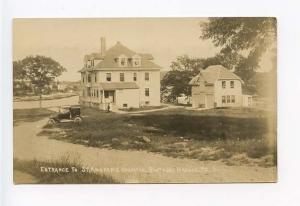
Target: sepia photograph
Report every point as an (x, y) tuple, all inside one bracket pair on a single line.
[(144, 100)]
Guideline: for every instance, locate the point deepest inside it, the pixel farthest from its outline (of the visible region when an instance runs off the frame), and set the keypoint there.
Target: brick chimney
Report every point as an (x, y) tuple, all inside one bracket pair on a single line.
[(102, 46)]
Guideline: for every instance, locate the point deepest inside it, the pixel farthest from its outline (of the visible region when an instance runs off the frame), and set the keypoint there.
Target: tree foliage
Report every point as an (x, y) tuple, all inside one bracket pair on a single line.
[(242, 41), (18, 72), (175, 82), (41, 71)]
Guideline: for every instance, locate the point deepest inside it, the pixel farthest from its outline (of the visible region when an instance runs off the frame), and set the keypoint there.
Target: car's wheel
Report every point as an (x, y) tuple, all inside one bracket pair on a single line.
[(77, 120), (51, 122)]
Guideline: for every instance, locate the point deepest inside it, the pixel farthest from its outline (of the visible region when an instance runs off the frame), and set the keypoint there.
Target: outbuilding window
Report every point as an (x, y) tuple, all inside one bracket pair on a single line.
[(147, 76), (231, 84), (134, 77), (228, 98), (147, 92), (232, 99), (223, 99)]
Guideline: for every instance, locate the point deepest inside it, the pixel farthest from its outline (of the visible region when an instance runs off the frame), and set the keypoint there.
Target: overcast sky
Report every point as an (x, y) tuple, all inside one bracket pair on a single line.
[(68, 40)]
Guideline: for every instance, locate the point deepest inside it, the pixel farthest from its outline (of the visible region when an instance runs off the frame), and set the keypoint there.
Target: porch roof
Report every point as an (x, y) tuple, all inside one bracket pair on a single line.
[(118, 85)]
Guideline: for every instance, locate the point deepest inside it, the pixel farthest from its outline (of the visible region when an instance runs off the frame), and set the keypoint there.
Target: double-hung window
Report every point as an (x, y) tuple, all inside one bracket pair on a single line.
[(223, 84), (147, 92), (228, 98), (108, 77), (122, 77), (223, 99), (147, 76), (232, 99)]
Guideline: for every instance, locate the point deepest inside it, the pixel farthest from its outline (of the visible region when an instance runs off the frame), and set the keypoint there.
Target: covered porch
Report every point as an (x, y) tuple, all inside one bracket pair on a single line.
[(116, 95)]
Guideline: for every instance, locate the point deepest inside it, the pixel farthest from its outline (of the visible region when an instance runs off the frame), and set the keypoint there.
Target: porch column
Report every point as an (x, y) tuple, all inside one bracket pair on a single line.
[(102, 96)]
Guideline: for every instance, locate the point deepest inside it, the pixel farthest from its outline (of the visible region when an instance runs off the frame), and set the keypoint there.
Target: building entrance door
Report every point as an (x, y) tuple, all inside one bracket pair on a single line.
[(109, 96)]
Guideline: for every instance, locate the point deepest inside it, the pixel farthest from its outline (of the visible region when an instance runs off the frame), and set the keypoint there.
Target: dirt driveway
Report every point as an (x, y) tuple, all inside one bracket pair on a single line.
[(133, 166)]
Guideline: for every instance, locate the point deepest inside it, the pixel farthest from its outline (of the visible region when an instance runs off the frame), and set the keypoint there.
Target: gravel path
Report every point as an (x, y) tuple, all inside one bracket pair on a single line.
[(133, 166)]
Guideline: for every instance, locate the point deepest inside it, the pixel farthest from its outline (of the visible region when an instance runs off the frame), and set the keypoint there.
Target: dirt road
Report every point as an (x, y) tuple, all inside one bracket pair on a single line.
[(133, 166)]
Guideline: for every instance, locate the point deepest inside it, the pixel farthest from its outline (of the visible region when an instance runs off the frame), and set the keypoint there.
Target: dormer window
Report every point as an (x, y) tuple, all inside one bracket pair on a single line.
[(136, 61), (123, 61)]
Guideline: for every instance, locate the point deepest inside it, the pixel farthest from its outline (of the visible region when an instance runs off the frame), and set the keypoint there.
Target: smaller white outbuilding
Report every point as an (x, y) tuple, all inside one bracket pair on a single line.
[(216, 86)]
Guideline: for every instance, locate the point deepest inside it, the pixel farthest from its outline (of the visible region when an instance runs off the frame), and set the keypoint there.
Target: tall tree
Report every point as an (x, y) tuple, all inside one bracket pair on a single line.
[(41, 71), (19, 77), (242, 41), (18, 72)]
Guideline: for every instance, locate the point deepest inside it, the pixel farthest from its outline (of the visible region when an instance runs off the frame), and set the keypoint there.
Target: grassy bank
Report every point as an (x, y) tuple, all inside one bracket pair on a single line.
[(236, 137), (36, 169)]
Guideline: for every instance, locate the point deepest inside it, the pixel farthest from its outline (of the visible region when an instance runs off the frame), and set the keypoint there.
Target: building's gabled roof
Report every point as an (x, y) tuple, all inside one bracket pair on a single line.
[(109, 60), (118, 85), (213, 73), (196, 80), (118, 49)]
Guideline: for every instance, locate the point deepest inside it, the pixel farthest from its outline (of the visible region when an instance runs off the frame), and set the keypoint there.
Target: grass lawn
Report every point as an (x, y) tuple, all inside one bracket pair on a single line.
[(39, 176), (231, 135)]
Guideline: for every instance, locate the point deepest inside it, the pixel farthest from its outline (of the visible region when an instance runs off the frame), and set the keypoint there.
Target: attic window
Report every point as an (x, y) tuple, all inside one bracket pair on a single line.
[(136, 62), (123, 61)]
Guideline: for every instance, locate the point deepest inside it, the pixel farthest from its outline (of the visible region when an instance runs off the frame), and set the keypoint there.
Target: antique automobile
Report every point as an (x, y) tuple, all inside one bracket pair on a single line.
[(67, 114)]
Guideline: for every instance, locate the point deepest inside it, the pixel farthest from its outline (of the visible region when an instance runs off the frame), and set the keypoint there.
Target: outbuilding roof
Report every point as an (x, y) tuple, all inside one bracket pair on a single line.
[(213, 73)]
